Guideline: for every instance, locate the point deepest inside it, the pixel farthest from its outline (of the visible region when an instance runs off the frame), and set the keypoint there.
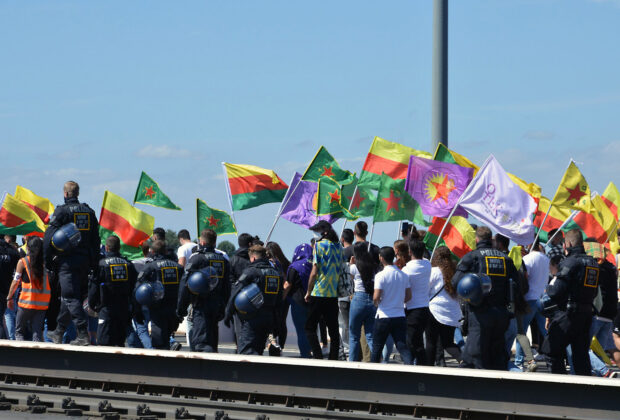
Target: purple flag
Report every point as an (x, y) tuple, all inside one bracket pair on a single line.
[(437, 185), (298, 203)]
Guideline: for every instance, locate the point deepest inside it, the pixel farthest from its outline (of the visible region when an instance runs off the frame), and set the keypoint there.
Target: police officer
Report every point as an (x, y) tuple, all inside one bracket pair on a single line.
[(163, 312), (8, 261), (488, 321), (255, 327), (109, 294), (571, 294), (207, 306), (72, 266)]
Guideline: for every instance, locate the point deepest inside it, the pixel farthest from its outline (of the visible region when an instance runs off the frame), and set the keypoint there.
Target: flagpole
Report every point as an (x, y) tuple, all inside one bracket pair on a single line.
[(572, 215), (612, 231), (349, 210), (282, 206), (400, 226), (232, 212), (372, 230), (543, 223)]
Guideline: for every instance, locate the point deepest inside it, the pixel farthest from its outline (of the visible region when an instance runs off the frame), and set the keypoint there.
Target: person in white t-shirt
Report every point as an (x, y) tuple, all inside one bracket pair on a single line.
[(187, 247), (419, 271), (444, 309), (390, 294)]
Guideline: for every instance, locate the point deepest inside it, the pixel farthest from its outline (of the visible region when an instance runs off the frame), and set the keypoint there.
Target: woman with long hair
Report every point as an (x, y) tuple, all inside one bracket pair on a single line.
[(35, 295), (401, 249), (444, 307), (362, 312)]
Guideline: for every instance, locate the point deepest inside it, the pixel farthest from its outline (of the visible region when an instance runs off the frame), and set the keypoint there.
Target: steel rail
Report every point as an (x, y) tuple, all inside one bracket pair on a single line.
[(244, 386)]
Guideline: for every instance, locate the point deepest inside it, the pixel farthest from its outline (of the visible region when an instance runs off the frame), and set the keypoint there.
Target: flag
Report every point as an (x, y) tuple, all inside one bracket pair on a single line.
[(458, 236), (148, 192), (611, 198), (495, 200), (251, 186), (394, 203), (131, 225), (329, 199), (599, 223), (324, 164), (436, 185), (41, 206), (217, 220), (389, 158), (298, 204), (442, 153), (555, 219), (362, 204), (573, 191), (16, 218), (516, 256)]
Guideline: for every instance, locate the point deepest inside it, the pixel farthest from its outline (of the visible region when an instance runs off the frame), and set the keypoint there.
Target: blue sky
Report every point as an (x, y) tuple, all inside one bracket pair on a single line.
[(98, 92)]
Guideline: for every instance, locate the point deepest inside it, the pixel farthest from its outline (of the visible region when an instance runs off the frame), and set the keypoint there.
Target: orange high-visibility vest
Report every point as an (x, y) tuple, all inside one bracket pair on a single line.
[(31, 297)]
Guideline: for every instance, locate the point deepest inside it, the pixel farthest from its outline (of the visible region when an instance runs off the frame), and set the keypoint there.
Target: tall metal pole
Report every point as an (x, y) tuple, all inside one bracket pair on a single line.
[(439, 132)]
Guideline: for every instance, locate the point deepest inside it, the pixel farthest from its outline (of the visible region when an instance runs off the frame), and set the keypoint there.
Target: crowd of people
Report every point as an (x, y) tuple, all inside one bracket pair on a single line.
[(348, 299)]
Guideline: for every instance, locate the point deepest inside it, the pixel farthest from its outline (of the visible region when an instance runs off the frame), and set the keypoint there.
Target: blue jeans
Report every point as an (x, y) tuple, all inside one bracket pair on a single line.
[(9, 319), (397, 328), (140, 338), (387, 350), (361, 312), (599, 368), (526, 319), (299, 314)]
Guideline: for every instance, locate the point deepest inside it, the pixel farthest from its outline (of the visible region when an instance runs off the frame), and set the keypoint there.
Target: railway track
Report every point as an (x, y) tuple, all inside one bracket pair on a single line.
[(114, 383)]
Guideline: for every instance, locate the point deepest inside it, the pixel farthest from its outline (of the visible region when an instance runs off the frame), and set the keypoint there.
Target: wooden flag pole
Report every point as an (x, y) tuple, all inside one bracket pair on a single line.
[(232, 212)]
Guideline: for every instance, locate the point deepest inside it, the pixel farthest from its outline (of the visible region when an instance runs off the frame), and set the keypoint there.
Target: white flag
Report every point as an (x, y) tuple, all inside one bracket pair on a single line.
[(498, 202)]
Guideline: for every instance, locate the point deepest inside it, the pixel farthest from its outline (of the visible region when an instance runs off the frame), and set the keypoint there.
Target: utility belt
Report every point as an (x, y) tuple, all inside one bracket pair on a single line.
[(575, 307)]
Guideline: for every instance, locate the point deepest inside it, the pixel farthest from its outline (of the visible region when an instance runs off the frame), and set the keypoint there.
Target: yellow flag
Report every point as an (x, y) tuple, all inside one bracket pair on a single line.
[(611, 197), (604, 216), (573, 191), (515, 256)]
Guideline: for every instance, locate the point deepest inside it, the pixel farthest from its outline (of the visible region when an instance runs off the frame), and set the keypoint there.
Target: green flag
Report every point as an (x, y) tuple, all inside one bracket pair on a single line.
[(324, 165), (395, 204), (218, 220), (360, 205), (329, 196), (148, 192)]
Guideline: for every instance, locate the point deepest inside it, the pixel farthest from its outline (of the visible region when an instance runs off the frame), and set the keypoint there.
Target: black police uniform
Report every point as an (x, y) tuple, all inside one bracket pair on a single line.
[(208, 309), (573, 291), (254, 329), (72, 266), (487, 323), (163, 313), (8, 261), (109, 294)]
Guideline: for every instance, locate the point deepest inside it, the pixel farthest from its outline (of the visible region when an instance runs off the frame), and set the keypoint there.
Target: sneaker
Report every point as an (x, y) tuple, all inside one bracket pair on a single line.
[(274, 350), (81, 340), (176, 346), (55, 336), (538, 357), (530, 367)]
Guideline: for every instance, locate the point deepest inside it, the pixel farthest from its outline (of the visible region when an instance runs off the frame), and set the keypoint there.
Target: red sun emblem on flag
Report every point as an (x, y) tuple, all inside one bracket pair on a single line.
[(212, 221), (149, 191), (438, 187)]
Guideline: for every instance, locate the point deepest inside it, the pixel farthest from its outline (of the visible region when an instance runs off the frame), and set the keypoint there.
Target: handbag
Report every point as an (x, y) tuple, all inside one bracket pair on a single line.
[(345, 283)]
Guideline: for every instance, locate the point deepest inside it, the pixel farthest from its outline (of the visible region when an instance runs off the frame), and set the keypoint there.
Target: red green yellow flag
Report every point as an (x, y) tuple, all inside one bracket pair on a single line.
[(251, 186), (42, 206), (324, 165), (555, 219), (573, 191), (599, 223), (458, 236), (387, 157), (148, 192), (132, 225), (210, 218), (16, 218), (611, 198)]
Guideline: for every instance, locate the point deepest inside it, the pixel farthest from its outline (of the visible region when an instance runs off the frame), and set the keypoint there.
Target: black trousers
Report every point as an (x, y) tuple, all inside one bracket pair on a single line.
[(416, 324), (569, 328), (204, 333), (162, 324), (253, 333), (72, 275), (328, 309), (485, 346), (439, 337), (112, 326)]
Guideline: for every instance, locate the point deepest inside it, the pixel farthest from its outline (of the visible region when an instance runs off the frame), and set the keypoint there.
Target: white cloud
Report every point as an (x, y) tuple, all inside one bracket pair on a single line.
[(166, 152)]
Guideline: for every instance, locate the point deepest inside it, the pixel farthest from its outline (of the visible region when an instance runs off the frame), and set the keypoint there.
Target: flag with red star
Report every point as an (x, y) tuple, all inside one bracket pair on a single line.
[(437, 185), (573, 191), (358, 199), (148, 192), (329, 199), (210, 218), (395, 204), (324, 165)]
